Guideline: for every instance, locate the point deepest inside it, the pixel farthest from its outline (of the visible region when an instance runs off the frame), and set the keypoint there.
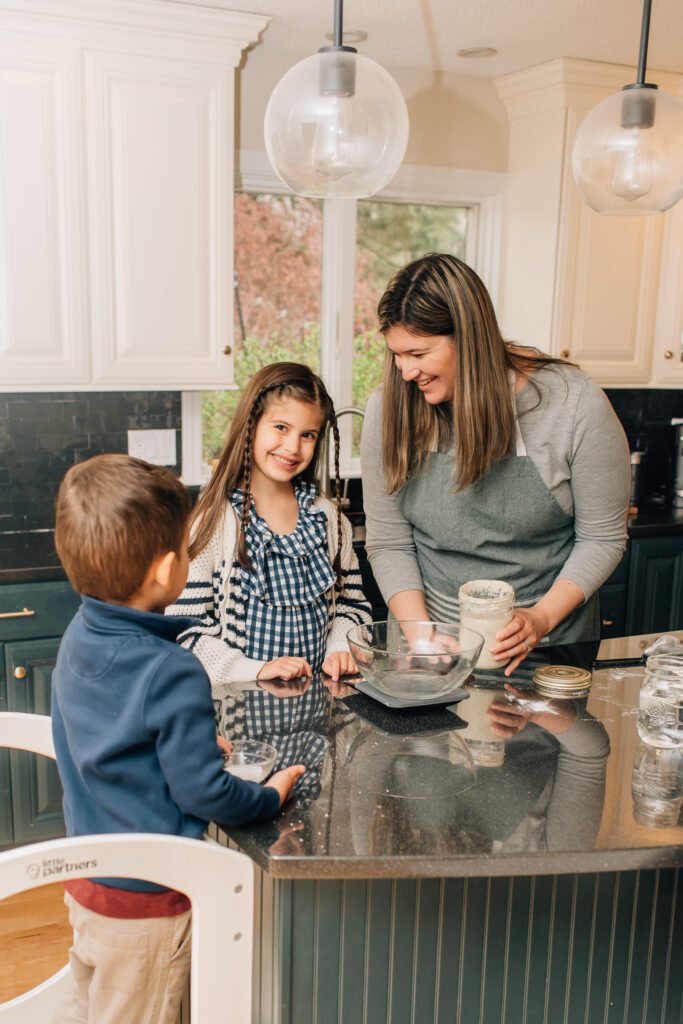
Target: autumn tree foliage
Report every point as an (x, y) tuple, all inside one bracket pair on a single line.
[(278, 279)]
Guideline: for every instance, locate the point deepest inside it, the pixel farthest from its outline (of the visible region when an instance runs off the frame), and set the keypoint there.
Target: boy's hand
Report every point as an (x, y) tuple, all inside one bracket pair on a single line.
[(340, 663), (285, 780), (285, 668), (225, 745)]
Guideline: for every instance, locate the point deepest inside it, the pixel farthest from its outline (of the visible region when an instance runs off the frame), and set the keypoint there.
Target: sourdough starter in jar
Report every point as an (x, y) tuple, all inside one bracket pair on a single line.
[(486, 606)]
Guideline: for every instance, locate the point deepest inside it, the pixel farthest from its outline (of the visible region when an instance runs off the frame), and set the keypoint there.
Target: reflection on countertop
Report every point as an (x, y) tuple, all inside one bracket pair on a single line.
[(391, 794)]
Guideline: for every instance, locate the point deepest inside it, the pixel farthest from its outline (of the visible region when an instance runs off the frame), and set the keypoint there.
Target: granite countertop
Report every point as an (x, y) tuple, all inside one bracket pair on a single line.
[(30, 556), (656, 523), (396, 794)]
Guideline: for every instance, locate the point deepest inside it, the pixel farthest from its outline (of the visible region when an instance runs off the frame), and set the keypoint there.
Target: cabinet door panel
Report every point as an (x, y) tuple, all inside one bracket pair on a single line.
[(613, 598), (160, 172), (655, 600), (36, 790), (43, 299), (6, 826)]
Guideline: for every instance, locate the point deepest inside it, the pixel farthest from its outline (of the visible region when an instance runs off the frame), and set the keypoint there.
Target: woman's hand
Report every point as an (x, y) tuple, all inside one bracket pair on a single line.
[(285, 668), (523, 632), (339, 663), (509, 718)]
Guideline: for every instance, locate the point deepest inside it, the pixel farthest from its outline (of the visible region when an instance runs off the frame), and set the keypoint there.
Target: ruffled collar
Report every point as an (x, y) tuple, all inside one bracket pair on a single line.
[(306, 545)]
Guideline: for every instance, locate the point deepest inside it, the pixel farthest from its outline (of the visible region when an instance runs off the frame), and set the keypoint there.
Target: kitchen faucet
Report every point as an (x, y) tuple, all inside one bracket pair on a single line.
[(324, 470)]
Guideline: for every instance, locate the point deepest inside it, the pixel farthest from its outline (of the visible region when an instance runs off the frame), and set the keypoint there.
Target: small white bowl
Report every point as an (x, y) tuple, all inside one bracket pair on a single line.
[(251, 760)]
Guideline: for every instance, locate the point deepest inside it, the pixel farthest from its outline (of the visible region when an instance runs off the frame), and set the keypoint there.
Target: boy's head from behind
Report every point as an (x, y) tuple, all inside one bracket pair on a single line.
[(121, 530)]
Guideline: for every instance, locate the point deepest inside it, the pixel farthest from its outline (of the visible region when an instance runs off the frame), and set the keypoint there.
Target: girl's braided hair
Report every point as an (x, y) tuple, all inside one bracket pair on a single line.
[(234, 468)]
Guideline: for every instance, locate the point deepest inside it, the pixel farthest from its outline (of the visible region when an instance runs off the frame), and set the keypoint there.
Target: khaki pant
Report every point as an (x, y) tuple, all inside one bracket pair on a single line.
[(125, 971)]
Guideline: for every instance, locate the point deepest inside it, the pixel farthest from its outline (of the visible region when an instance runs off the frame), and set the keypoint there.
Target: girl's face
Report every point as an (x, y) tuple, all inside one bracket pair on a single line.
[(427, 362), (285, 439)]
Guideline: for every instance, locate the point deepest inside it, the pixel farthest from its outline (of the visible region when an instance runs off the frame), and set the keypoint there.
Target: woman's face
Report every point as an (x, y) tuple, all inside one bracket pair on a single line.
[(426, 362)]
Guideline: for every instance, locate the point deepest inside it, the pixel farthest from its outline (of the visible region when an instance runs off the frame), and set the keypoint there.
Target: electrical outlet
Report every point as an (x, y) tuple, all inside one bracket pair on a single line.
[(155, 446)]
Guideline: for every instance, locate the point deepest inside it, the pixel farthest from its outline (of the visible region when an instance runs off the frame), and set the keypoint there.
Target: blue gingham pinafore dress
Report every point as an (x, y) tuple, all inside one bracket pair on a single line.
[(286, 607)]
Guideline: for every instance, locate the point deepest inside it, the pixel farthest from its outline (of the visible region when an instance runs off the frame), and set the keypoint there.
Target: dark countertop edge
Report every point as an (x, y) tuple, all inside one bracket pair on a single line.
[(669, 529), (513, 865)]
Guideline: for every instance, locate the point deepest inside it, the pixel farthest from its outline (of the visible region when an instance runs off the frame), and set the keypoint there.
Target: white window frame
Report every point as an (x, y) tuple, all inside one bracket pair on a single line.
[(481, 191)]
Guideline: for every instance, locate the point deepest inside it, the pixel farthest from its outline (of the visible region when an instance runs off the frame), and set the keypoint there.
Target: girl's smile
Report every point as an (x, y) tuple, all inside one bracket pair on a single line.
[(285, 439)]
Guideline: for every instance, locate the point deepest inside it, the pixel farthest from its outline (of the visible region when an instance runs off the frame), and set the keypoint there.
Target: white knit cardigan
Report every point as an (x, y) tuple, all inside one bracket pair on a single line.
[(219, 638)]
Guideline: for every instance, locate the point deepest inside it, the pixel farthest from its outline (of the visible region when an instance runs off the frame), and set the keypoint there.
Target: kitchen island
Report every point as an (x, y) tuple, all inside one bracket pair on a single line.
[(416, 878)]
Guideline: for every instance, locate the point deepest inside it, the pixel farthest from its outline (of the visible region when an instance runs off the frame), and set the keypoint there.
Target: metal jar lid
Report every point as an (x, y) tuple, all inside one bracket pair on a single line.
[(561, 680)]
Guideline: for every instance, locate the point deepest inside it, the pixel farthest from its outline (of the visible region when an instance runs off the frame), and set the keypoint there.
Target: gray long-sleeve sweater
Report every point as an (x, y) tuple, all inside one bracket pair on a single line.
[(579, 449)]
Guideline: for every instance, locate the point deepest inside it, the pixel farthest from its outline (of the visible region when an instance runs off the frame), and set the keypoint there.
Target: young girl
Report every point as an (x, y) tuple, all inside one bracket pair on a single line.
[(273, 576)]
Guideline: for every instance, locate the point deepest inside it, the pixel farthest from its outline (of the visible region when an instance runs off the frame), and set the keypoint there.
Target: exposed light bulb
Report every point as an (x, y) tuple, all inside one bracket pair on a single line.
[(632, 176), (334, 152)]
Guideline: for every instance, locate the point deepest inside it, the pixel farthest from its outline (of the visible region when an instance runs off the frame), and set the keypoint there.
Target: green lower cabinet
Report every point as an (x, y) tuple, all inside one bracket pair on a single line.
[(655, 590), (6, 821), (35, 788)]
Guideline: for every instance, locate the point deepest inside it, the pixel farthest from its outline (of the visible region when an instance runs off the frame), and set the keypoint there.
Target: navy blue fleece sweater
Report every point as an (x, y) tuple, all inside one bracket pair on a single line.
[(134, 732)]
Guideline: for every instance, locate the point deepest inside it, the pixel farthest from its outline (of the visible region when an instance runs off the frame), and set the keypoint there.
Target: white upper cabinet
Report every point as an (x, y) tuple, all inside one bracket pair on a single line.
[(574, 283), (116, 172), (43, 273)]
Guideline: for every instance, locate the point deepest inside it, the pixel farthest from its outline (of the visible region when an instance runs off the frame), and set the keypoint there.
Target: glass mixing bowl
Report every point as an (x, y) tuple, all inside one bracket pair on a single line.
[(250, 759), (415, 660)]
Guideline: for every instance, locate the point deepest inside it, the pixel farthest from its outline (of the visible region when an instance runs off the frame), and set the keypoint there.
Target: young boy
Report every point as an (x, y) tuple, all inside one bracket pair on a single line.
[(134, 733)]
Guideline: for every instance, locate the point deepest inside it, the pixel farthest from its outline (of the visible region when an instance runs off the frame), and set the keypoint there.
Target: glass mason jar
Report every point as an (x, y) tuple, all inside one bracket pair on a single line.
[(660, 713), (657, 785), (486, 606)]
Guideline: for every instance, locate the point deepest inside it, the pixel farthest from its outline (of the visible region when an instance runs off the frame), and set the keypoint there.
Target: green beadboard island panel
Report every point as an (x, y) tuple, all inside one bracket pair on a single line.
[(567, 949)]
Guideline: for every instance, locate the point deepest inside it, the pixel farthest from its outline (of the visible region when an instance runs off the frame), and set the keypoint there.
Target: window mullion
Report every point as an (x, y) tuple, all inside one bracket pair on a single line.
[(337, 308)]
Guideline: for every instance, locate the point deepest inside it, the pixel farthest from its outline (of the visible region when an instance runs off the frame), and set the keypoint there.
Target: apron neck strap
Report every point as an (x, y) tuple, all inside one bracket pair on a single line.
[(520, 447)]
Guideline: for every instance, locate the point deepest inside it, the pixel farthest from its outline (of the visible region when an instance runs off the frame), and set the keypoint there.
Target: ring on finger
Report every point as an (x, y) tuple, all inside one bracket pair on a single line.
[(527, 645)]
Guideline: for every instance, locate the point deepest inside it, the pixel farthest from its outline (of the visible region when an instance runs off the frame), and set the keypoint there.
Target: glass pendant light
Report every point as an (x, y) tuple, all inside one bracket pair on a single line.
[(628, 152), (336, 124)]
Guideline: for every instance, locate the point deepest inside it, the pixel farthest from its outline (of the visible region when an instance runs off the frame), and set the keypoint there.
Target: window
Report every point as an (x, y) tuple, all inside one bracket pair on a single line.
[(389, 235), (276, 297), (308, 277)]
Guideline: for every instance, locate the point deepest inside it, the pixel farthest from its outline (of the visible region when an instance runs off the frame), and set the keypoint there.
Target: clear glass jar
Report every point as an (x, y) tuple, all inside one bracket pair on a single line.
[(487, 749), (486, 606), (657, 785), (660, 713)]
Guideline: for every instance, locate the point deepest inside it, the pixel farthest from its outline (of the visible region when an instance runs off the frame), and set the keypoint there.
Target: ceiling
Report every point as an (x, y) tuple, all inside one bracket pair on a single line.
[(427, 33)]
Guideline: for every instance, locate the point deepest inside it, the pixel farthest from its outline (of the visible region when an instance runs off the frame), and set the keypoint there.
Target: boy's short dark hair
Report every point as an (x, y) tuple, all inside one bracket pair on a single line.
[(114, 515)]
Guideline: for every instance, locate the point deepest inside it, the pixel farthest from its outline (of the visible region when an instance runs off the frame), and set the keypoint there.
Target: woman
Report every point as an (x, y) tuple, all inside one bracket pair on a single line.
[(485, 460)]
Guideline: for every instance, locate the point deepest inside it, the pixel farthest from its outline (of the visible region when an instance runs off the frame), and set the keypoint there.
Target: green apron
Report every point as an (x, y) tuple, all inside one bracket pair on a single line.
[(506, 526)]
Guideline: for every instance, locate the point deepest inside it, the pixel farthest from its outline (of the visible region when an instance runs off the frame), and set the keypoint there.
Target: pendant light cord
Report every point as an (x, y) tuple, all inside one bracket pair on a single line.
[(644, 37), (339, 22)]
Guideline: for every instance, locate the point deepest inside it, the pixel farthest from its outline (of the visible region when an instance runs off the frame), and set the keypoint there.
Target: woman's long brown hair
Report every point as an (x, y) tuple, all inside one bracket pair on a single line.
[(439, 295), (279, 380)]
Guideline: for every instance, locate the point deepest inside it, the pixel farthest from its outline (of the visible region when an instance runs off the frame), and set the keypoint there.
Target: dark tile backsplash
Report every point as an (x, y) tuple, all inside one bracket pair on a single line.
[(41, 435), (646, 415)]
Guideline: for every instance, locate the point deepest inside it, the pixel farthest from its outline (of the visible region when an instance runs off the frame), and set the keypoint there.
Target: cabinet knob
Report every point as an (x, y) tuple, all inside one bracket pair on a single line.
[(20, 672), (227, 350), (668, 354), (608, 622), (565, 353)]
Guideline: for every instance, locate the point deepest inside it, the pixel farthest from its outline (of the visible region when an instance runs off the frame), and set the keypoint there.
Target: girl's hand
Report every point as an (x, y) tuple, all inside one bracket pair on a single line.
[(340, 663), (285, 668), (525, 630), (285, 781), (225, 745), (283, 689)]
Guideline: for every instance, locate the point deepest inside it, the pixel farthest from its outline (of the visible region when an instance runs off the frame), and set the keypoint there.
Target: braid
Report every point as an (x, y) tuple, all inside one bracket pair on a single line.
[(254, 415), (336, 564)]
